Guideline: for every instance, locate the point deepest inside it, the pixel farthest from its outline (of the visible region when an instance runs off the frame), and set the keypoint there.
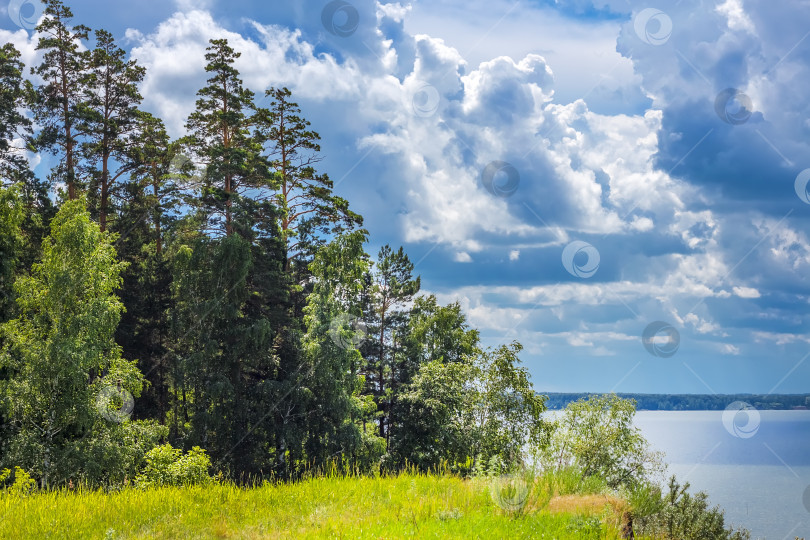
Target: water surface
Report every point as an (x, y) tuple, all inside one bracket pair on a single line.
[(756, 465)]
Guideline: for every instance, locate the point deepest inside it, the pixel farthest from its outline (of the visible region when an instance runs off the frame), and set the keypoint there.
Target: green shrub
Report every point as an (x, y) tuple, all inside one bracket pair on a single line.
[(597, 436), (645, 500), (21, 485), (678, 514), (168, 466), (596, 448)]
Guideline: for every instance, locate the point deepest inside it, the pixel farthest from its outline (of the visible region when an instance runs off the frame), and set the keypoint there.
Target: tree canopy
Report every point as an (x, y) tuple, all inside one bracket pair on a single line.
[(213, 291)]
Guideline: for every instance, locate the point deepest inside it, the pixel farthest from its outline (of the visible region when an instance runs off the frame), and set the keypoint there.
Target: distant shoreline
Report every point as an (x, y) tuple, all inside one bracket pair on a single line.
[(691, 402)]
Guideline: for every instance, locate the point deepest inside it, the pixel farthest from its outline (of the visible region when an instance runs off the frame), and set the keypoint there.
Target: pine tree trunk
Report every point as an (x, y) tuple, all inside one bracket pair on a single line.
[(70, 172), (156, 193), (102, 211), (382, 375)]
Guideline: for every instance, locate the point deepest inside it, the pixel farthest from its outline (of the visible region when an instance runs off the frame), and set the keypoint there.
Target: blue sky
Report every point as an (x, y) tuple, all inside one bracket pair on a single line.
[(661, 143)]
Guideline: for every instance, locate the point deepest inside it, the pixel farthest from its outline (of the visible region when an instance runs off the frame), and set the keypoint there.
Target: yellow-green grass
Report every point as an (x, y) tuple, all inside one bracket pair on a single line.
[(406, 506)]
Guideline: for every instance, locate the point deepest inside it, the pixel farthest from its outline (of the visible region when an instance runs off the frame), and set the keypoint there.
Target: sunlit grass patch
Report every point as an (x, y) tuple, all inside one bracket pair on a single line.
[(586, 504), (405, 506)]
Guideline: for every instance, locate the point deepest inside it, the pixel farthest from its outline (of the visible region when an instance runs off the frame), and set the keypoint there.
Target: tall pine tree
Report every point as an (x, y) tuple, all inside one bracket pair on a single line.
[(60, 100), (392, 288), (309, 211), (221, 139), (14, 125), (109, 119), (146, 214)]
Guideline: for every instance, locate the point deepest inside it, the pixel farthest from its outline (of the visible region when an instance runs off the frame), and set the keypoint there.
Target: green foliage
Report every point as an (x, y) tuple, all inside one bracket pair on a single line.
[(11, 243), (507, 412), (389, 287), (153, 192), (168, 466), (586, 527), (371, 449), (594, 442), (210, 335), (598, 437), (14, 90), (437, 332), (645, 500), (34, 205), (329, 384), (570, 480), (679, 514), (18, 482), (115, 451), (482, 410), (436, 411), (436, 341), (145, 216), (61, 340)]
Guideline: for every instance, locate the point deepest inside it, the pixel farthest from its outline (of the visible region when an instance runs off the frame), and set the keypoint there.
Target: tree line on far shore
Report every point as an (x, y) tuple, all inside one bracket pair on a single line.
[(693, 402)]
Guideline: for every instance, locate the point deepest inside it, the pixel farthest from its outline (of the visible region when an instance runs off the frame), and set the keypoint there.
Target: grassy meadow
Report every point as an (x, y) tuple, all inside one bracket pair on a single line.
[(406, 506)]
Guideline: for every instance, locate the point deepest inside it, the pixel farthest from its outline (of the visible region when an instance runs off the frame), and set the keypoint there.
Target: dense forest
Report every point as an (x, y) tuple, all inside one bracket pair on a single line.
[(212, 291), (693, 402)]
